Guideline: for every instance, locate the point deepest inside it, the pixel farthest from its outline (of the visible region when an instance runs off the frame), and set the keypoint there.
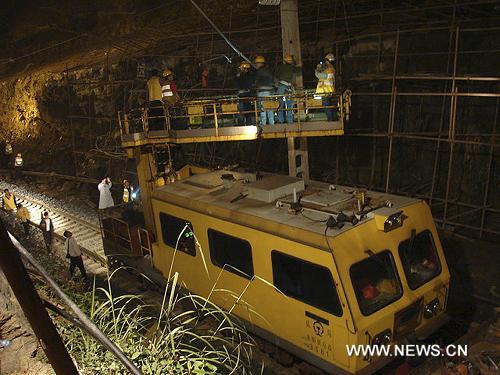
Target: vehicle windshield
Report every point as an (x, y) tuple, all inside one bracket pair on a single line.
[(375, 282), (419, 258)]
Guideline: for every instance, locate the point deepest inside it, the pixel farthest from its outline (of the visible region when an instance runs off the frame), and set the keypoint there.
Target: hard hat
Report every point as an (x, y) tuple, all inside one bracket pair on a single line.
[(245, 65), (260, 59), (18, 155), (167, 72), (330, 57), (288, 59)]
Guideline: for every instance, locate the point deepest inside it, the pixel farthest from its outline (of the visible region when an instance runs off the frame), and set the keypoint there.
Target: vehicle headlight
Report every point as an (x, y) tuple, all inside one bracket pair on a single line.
[(431, 309), (383, 339), (394, 221)]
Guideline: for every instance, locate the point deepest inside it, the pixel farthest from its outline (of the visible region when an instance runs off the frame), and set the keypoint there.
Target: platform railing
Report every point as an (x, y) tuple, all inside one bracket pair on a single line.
[(228, 111)]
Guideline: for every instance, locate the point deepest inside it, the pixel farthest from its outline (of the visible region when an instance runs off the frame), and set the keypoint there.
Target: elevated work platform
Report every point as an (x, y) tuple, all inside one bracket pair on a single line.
[(221, 119), (234, 133)]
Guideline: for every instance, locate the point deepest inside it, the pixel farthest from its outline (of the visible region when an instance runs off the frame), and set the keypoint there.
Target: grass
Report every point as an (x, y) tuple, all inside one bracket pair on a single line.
[(201, 339)]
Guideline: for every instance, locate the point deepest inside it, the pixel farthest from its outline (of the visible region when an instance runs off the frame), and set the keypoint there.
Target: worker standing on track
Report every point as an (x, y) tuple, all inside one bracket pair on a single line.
[(156, 112), (18, 165), (244, 82), (23, 215), (325, 72), (286, 74), (47, 228), (74, 254), (264, 82), (105, 198), (9, 203)]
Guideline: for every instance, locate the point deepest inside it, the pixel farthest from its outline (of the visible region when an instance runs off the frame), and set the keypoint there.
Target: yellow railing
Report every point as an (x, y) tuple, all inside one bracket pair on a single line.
[(231, 111)]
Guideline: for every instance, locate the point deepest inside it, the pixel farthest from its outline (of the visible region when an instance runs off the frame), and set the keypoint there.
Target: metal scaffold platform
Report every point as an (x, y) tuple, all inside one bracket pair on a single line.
[(219, 120)]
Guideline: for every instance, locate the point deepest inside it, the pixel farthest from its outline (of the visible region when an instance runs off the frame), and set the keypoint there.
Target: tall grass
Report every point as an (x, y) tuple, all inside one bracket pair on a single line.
[(187, 335)]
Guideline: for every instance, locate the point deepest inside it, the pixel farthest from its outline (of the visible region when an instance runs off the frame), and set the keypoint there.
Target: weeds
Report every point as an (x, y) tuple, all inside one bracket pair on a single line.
[(188, 335)]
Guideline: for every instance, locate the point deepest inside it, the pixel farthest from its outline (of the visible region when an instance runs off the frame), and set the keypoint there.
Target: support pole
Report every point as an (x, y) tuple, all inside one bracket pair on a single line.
[(290, 39), (146, 172), (32, 306)]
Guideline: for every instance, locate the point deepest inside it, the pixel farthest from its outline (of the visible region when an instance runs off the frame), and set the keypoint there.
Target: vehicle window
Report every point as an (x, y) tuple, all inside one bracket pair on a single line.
[(420, 259), (172, 227), (307, 282), (375, 282), (232, 252)]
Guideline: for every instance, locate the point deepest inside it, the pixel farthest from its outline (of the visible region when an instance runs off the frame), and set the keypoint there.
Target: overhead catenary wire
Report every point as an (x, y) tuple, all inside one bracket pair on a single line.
[(226, 39)]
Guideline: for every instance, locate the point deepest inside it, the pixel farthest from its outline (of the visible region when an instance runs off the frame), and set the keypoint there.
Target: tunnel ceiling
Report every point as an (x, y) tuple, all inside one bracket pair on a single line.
[(60, 35)]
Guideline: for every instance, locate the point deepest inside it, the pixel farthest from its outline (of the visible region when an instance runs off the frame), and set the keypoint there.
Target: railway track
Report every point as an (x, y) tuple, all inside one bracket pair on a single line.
[(87, 235)]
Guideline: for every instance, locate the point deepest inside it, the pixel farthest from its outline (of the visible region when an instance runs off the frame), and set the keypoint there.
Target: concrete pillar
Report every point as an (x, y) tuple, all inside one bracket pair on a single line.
[(298, 158)]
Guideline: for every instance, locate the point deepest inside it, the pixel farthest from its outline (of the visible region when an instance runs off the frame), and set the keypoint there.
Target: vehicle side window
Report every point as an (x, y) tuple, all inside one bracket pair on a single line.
[(177, 233), (376, 282), (231, 253), (307, 282), (420, 259)]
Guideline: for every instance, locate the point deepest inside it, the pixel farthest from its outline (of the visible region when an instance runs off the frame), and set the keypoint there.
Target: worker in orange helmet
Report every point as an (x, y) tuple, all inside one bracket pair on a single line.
[(286, 74)]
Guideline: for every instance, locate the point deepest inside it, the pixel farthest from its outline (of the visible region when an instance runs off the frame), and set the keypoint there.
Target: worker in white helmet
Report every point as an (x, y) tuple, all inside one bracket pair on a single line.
[(325, 72)]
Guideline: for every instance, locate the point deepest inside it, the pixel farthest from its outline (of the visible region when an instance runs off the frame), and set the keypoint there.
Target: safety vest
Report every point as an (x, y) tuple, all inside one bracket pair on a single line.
[(154, 89), (9, 203), (18, 161), (327, 86), (166, 91), (8, 149), (126, 195)]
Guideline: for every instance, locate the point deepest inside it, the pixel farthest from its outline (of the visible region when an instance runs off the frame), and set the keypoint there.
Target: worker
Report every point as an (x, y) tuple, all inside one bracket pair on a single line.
[(105, 198), (171, 98), (244, 82), (325, 72), (286, 74), (156, 113), (128, 192), (9, 203), (74, 254), (23, 215), (264, 82), (18, 165), (169, 92), (8, 154), (47, 228)]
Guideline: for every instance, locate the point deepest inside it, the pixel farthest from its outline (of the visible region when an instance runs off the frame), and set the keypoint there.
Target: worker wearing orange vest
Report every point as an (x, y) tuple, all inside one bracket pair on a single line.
[(325, 72)]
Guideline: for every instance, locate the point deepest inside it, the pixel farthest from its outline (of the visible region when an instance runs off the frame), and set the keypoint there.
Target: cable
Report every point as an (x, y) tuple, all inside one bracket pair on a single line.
[(327, 241), (314, 220), (222, 34)]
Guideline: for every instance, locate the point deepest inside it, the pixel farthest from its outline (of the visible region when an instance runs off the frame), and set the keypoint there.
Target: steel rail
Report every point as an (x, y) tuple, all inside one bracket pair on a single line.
[(89, 326)]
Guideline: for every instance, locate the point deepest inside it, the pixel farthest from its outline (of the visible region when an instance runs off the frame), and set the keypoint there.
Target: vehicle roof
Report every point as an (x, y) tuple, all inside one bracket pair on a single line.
[(319, 199)]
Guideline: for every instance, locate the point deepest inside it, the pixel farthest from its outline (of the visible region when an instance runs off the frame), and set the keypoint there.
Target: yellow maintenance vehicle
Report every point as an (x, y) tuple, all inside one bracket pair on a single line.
[(309, 266)]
